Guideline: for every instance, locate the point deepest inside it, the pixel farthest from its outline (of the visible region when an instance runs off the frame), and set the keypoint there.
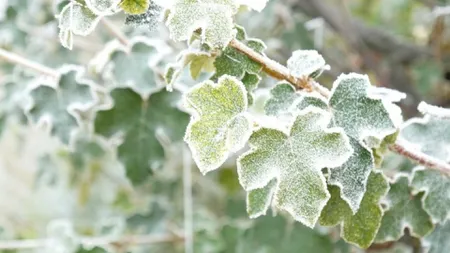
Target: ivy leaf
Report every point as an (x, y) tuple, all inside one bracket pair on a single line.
[(102, 7), (404, 211), (234, 63), (362, 118), (303, 63), (60, 105), (295, 160), (131, 67), (282, 97), (142, 123), (219, 124), (435, 111), (198, 61), (214, 17), (436, 200), (362, 227), (151, 18), (78, 19), (250, 82), (437, 241), (135, 6), (258, 200), (429, 135)]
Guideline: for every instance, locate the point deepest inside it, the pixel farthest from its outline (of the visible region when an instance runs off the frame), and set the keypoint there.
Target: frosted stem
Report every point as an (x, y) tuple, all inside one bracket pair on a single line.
[(115, 32), (17, 59), (277, 70), (402, 148)]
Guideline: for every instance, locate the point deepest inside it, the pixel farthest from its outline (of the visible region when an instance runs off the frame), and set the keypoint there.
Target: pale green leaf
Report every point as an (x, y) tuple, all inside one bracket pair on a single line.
[(142, 123), (198, 61), (234, 63), (433, 110), (59, 105), (250, 82), (219, 124), (303, 63), (362, 118), (362, 227), (258, 200), (295, 160), (429, 135), (436, 186), (134, 6), (282, 97), (214, 17), (102, 7), (438, 241), (150, 18), (404, 210)]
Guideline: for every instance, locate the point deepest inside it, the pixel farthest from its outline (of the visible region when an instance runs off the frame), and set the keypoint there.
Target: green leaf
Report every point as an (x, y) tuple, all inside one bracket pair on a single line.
[(78, 19), (433, 110), (250, 82), (151, 18), (142, 123), (91, 250), (131, 67), (295, 160), (60, 105), (438, 241), (429, 135), (436, 200), (404, 210), (219, 124), (362, 118), (362, 227), (135, 6), (258, 200), (214, 17), (282, 98), (303, 63), (198, 61), (102, 7), (234, 63)]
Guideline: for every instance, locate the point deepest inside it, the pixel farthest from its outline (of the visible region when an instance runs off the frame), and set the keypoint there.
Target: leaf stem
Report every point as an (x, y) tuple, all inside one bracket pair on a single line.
[(402, 148), (277, 70), (95, 241), (115, 32), (17, 59)]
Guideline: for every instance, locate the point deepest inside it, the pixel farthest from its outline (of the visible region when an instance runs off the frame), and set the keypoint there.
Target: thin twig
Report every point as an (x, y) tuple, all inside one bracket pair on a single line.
[(115, 32), (402, 148), (277, 70), (94, 241), (17, 59)]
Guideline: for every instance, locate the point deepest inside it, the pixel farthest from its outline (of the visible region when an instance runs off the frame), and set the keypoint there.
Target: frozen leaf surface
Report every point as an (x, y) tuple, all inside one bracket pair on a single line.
[(141, 122), (234, 63), (258, 200), (295, 160), (429, 135), (438, 241), (214, 17), (219, 124), (303, 63), (436, 186), (78, 19), (362, 227), (250, 82), (282, 97), (433, 110), (60, 106), (404, 211), (151, 18), (361, 117), (135, 6), (102, 7)]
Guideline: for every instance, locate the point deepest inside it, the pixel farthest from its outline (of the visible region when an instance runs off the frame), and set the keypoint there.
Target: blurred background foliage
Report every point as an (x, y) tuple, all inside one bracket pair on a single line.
[(400, 44)]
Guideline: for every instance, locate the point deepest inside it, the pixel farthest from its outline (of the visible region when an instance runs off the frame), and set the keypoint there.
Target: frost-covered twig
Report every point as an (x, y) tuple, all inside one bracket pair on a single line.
[(277, 70), (402, 148), (115, 32), (17, 59), (94, 241)]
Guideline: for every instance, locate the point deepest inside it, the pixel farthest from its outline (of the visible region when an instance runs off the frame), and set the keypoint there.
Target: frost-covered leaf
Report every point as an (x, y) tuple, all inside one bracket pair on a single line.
[(282, 96), (59, 105), (132, 67), (142, 123), (75, 18), (134, 6), (61, 237), (250, 82), (234, 63), (295, 160), (429, 135), (360, 228), (438, 241), (219, 124), (257, 5), (433, 110), (404, 210), (258, 200), (151, 18), (436, 186), (214, 17), (362, 118), (198, 61), (303, 63), (102, 7)]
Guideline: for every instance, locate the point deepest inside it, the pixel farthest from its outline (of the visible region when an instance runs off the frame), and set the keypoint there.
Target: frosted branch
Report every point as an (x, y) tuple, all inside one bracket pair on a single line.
[(17, 59)]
